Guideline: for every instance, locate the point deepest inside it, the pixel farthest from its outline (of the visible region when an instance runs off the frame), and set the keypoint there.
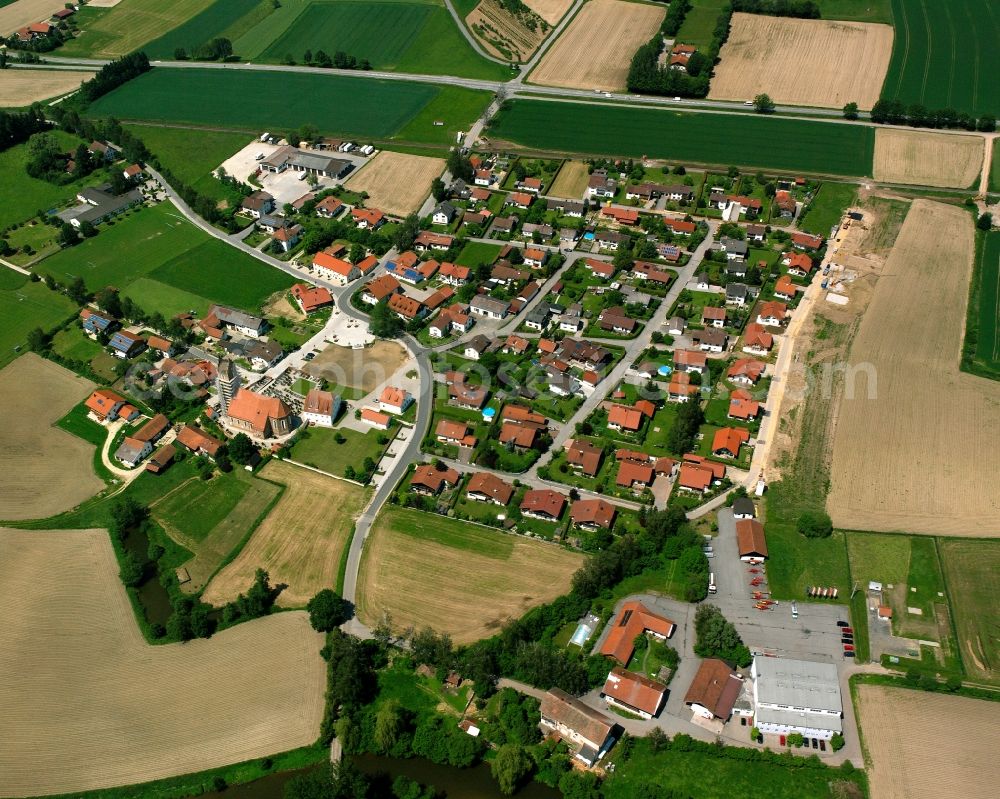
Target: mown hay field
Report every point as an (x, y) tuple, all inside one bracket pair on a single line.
[(94, 706), (972, 569), (922, 158), (301, 541), (21, 87), (926, 745), (571, 181), (595, 50), (46, 470), (945, 55), (746, 140), (397, 183), (803, 61), (917, 447), (129, 25), (430, 571)]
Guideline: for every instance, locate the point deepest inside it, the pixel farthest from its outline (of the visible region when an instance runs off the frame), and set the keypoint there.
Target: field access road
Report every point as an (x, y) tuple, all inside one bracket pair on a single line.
[(474, 43), (509, 89)]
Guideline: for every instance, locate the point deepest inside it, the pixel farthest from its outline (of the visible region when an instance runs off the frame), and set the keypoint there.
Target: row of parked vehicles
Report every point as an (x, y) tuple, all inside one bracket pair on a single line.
[(846, 638)]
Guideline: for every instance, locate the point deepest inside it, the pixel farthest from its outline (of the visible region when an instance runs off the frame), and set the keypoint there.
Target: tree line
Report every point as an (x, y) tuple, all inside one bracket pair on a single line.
[(17, 127), (803, 9), (895, 112), (113, 75)]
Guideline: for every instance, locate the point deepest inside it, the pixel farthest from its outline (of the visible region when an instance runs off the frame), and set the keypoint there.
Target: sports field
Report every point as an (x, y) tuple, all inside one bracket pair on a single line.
[(945, 55), (46, 470), (455, 577), (95, 706), (129, 26), (571, 181), (972, 569), (23, 307), (745, 140), (397, 183), (924, 745), (301, 541), (808, 62), (166, 264), (923, 158), (362, 107), (595, 50), (901, 454), (982, 337)]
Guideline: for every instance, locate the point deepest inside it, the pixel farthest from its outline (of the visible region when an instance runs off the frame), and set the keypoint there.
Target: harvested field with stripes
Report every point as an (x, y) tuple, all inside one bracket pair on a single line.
[(922, 158)]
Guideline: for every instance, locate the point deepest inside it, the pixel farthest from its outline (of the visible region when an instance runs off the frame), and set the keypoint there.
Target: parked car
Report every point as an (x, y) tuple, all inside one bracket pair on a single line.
[(781, 740), (847, 639), (848, 647), (848, 654), (815, 743), (822, 745), (843, 623), (848, 631)]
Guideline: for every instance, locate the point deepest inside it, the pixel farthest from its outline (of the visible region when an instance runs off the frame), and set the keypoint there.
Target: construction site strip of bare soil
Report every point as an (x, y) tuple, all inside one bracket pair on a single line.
[(46, 470), (917, 447), (458, 578), (396, 183), (359, 368), (88, 704), (803, 61), (928, 745), (594, 52), (924, 158), (301, 541)]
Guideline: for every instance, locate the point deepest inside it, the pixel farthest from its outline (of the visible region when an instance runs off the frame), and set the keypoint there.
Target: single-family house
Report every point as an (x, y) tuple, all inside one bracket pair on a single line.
[(727, 441), (330, 207), (336, 270), (257, 204), (737, 294), (456, 433), (713, 317), (486, 487), (745, 371), (806, 241), (104, 404), (376, 419), (587, 731), (690, 361), (379, 289), (196, 440), (785, 289), (311, 298), (124, 344), (489, 307), (593, 514), (714, 690), (584, 457), (543, 503), (634, 619), (394, 400), (367, 218), (634, 693), (429, 240), (443, 213), (799, 263), (429, 480), (772, 313), (757, 340)]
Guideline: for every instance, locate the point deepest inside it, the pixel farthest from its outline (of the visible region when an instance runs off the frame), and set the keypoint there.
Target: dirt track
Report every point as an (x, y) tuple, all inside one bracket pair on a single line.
[(803, 61), (594, 52), (928, 745), (928, 159), (88, 704), (46, 470), (397, 183), (922, 455)]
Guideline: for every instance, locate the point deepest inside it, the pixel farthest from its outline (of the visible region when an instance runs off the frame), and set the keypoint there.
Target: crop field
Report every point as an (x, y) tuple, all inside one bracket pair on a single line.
[(396, 183), (503, 34), (130, 25), (972, 569), (363, 369), (994, 178), (195, 31), (856, 10), (347, 105), (893, 469), (983, 329), (595, 50), (23, 87), (211, 518), (46, 470), (571, 180), (803, 61), (744, 140), (301, 540), (455, 577), (23, 307), (925, 744), (95, 706), (550, 10), (928, 159), (700, 21), (945, 55)]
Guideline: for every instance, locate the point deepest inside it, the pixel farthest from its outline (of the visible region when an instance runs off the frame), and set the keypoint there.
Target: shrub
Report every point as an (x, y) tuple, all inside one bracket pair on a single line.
[(815, 524)]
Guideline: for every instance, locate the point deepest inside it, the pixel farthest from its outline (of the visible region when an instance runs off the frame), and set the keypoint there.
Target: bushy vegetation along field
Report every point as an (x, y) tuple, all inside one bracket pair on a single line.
[(944, 55), (751, 141), (255, 101), (982, 333), (200, 28)]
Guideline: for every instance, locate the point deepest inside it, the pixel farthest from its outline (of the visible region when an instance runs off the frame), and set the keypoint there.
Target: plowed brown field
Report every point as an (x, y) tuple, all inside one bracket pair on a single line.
[(594, 52), (928, 159), (301, 540), (88, 704), (919, 450), (803, 61), (928, 745)]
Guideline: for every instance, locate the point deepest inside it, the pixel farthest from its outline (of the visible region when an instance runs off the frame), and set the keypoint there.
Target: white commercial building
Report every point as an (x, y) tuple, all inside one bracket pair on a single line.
[(796, 696)]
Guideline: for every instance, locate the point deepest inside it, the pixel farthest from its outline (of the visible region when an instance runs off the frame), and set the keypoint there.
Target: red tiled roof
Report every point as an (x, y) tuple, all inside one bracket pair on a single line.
[(544, 501), (593, 512), (256, 409), (491, 486), (382, 287), (750, 538), (631, 472), (715, 687), (635, 690), (633, 619), (729, 439)]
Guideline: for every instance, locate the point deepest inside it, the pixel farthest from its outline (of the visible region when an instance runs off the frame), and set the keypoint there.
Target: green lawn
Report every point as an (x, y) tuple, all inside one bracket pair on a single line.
[(700, 21), (74, 344), (455, 107), (153, 296), (202, 27), (24, 308), (319, 448), (857, 10), (746, 140), (828, 207), (994, 184), (972, 568), (478, 252), (981, 351), (82, 426), (944, 55), (201, 505), (255, 101)]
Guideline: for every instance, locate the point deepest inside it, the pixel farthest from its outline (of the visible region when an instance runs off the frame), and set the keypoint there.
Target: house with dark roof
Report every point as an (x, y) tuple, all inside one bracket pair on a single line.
[(124, 344), (587, 731), (714, 690)]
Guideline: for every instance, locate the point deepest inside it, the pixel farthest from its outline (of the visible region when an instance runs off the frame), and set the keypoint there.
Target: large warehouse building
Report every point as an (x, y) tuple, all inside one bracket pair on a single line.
[(796, 696)]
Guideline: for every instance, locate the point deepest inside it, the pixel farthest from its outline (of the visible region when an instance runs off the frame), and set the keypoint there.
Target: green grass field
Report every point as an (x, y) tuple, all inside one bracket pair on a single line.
[(23, 307), (254, 101), (457, 108), (214, 500), (129, 26), (700, 21), (981, 353), (478, 252), (319, 449), (994, 184), (828, 207), (857, 10), (74, 344), (972, 570), (945, 55), (744, 140), (213, 22)]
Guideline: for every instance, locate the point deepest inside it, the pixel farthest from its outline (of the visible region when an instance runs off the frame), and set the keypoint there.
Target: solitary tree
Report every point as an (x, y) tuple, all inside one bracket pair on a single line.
[(328, 610), (851, 111), (985, 222), (763, 104), (241, 449)]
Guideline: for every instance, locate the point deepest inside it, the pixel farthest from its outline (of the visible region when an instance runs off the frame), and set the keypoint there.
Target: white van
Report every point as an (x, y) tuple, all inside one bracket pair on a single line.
[(711, 583)]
